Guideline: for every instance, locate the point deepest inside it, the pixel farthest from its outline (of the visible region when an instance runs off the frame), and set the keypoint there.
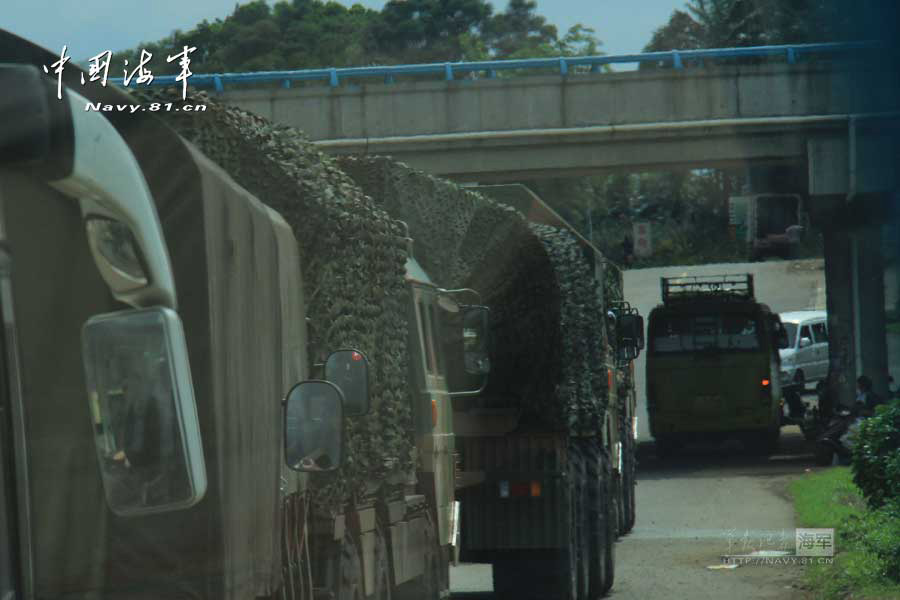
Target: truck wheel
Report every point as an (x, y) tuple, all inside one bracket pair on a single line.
[(349, 571), (600, 522)]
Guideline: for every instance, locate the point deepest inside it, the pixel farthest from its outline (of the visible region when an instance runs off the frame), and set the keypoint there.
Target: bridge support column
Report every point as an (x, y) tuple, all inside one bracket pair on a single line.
[(855, 299), (850, 180)]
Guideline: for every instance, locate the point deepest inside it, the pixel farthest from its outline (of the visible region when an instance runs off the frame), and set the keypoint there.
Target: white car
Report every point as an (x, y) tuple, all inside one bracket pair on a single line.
[(805, 360)]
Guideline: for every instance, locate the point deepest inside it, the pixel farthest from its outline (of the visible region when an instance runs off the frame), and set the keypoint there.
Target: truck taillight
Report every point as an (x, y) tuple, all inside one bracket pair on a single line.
[(520, 489), (434, 412)]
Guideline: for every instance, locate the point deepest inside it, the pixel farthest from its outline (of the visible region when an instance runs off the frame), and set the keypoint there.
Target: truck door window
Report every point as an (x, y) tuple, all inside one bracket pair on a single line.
[(820, 333)]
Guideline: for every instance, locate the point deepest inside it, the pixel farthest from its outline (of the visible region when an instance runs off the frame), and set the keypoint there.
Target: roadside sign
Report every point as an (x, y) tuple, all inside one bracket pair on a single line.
[(642, 244)]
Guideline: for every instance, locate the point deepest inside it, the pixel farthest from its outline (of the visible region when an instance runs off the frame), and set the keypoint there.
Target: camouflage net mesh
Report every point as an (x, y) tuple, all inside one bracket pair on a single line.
[(353, 255), (548, 349), (549, 342)]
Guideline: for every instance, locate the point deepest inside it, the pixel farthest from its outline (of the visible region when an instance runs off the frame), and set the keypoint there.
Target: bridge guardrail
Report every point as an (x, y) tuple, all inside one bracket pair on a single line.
[(677, 58)]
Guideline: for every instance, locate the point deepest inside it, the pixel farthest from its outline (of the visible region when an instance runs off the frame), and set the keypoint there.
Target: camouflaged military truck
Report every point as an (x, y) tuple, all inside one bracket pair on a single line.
[(155, 320)]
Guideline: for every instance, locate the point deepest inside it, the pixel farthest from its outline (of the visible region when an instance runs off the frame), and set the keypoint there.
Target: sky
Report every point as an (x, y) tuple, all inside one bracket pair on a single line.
[(89, 27)]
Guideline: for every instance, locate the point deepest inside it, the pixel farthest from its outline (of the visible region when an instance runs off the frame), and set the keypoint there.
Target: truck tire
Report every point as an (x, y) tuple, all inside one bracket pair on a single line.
[(349, 575), (601, 522)]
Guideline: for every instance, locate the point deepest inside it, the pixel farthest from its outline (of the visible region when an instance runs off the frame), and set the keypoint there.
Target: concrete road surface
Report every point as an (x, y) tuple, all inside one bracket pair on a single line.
[(783, 285), (691, 510)]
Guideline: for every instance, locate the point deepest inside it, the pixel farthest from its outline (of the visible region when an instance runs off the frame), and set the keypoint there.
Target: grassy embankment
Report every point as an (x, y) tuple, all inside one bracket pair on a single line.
[(829, 498)]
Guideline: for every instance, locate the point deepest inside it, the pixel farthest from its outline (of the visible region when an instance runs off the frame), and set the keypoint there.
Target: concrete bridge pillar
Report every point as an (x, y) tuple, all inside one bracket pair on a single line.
[(850, 182), (854, 278)]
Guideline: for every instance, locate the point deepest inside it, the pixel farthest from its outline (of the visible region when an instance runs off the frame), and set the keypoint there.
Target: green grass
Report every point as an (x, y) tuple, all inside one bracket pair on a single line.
[(829, 498), (893, 327)]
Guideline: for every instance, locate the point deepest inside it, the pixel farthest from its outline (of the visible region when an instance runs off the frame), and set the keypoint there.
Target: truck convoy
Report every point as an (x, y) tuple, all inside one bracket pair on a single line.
[(716, 349), (160, 308)]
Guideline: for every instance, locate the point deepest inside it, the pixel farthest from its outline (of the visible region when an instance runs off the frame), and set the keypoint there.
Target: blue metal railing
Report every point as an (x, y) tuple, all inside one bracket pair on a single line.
[(676, 58)]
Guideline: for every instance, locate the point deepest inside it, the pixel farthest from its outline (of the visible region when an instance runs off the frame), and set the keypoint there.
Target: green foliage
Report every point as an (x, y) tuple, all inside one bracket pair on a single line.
[(737, 23), (302, 34), (876, 455), (867, 563)]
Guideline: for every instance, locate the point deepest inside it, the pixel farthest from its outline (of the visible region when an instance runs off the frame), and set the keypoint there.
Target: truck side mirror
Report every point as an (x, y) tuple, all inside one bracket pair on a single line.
[(630, 335), (349, 371), (141, 397), (464, 337), (805, 341), (313, 426)]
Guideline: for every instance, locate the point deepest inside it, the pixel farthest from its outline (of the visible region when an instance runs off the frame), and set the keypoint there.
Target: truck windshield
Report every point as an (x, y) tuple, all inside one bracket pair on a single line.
[(690, 333)]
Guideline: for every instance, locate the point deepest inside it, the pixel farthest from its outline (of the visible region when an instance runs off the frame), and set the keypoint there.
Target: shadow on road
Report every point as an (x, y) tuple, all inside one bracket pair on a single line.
[(794, 454)]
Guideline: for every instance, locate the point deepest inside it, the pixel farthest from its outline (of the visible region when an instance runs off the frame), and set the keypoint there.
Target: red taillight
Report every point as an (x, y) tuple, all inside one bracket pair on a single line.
[(357, 356), (765, 383), (517, 490)]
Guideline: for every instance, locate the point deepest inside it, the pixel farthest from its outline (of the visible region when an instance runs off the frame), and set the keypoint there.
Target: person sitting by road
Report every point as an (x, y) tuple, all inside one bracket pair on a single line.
[(866, 396)]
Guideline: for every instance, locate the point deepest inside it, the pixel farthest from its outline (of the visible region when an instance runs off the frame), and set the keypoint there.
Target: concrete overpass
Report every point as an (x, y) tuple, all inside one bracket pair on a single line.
[(522, 127)]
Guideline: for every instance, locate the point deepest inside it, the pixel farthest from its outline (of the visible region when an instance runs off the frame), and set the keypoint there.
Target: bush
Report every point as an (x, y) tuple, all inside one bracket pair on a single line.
[(877, 533), (876, 456)]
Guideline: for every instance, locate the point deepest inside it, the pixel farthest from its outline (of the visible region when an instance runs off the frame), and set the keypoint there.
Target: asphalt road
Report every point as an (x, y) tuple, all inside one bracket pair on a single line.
[(691, 510)]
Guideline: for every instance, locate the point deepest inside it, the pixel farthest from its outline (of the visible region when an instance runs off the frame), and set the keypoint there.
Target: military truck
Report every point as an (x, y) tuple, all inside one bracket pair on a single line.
[(151, 444), (713, 364), (543, 479), (518, 470)]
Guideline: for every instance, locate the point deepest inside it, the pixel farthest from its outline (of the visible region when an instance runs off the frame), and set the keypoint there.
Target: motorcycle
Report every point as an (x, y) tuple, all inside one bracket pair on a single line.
[(834, 442)]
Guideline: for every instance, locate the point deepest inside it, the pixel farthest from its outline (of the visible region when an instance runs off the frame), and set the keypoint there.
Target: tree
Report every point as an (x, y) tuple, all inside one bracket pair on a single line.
[(427, 30), (519, 31), (736, 23), (300, 34)]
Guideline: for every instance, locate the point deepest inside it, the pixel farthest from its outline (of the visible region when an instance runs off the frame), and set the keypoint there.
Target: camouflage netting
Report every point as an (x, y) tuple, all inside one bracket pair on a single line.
[(548, 350), (353, 257)]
